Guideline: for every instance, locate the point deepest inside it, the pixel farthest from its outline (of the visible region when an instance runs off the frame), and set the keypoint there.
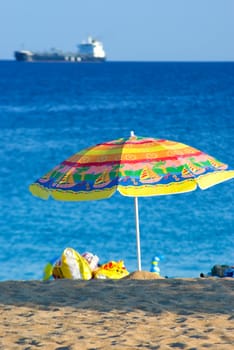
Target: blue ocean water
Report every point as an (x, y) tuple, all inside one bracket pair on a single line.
[(50, 111)]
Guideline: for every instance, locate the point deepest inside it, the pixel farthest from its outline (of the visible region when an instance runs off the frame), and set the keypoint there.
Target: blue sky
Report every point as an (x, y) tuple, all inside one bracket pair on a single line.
[(132, 30)]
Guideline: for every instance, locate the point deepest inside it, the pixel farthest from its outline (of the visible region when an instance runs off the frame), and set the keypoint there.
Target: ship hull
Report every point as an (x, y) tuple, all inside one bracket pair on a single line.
[(34, 57)]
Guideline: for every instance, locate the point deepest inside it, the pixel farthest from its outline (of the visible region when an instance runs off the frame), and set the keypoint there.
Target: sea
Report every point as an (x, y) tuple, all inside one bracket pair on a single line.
[(50, 111)]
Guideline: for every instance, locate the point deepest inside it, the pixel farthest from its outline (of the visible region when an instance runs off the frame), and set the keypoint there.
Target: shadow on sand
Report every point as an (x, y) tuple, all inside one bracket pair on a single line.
[(180, 296)]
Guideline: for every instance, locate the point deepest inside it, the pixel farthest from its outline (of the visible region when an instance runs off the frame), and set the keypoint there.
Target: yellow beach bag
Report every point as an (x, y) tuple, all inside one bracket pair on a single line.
[(72, 266)]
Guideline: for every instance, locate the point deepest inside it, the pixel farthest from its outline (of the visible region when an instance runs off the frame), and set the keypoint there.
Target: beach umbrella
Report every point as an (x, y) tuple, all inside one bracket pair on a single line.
[(134, 166)]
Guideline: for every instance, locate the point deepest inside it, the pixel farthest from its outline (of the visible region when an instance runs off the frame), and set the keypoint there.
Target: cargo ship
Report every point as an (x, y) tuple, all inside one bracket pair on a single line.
[(88, 51)]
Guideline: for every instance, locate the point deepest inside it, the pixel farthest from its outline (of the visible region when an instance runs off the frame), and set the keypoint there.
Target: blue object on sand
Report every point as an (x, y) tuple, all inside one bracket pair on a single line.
[(154, 265)]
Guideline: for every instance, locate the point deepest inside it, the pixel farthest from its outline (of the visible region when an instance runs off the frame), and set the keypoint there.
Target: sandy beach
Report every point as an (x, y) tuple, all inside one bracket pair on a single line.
[(133, 313)]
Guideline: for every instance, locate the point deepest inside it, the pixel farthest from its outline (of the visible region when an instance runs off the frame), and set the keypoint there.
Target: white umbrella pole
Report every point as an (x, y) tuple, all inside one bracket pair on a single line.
[(138, 234)]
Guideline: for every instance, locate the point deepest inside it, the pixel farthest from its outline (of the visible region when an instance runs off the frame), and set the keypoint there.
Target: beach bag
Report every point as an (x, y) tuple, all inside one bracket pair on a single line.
[(111, 270), (222, 271), (218, 270), (229, 272), (72, 265)]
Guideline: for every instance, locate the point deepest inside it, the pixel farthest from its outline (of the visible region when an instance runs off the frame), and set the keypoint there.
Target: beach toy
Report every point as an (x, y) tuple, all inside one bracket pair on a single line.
[(154, 265), (111, 270)]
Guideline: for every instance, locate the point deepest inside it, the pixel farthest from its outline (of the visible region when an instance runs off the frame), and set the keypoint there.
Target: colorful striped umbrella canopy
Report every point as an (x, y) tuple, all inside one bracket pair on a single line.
[(136, 167)]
